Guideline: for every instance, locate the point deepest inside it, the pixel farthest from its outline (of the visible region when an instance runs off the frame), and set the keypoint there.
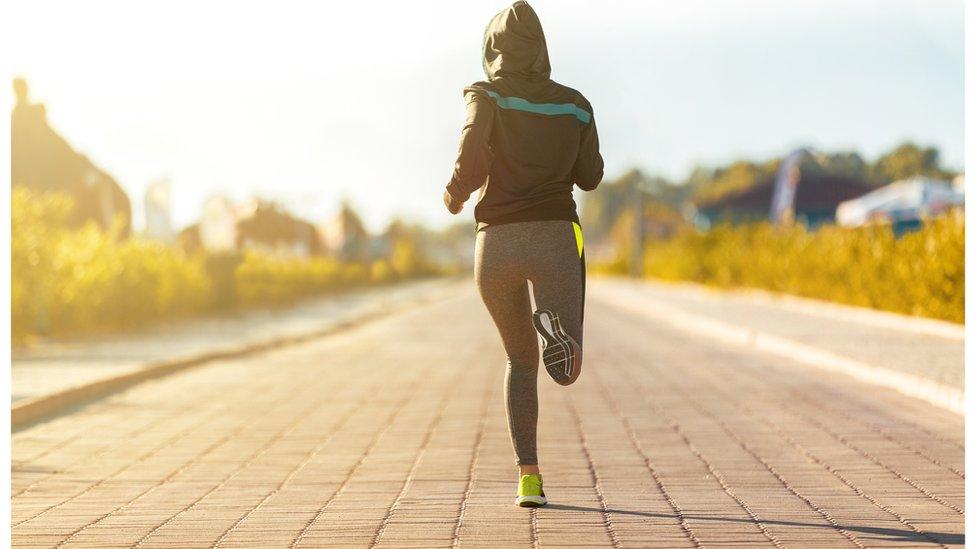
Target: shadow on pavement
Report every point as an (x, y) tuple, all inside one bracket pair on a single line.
[(885, 534)]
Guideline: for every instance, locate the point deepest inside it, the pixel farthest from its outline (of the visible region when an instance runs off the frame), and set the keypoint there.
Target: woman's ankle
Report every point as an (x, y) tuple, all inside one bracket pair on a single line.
[(528, 469)]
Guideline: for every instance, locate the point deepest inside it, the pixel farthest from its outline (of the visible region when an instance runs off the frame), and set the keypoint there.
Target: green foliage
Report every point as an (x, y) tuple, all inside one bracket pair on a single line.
[(907, 160), (381, 272), (66, 280), (921, 273), (709, 185), (265, 280), (736, 177), (406, 258), (847, 164), (601, 211)]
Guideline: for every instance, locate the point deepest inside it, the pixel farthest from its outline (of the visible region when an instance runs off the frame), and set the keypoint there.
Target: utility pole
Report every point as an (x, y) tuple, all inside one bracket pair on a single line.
[(637, 247)]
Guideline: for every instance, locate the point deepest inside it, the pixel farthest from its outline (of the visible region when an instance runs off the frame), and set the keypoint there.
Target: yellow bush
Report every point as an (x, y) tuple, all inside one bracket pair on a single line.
[(265, 280), (68, 280), (922, 273), (380, 272), (406, 259)]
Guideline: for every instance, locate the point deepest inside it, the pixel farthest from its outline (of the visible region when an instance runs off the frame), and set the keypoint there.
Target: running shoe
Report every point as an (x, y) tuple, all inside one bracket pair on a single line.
[(530, 492), (561, 354)]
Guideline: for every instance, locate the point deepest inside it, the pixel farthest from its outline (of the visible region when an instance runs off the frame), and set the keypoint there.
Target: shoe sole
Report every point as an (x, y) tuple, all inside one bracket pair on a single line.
[(531, 501), (561, 354)]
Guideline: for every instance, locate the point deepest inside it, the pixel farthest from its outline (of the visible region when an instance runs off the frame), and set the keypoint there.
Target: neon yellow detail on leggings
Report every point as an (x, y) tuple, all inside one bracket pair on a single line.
[(579, 238)]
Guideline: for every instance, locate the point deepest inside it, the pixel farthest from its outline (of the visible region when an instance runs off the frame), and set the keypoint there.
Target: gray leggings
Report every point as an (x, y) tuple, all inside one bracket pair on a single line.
[(549, 254)]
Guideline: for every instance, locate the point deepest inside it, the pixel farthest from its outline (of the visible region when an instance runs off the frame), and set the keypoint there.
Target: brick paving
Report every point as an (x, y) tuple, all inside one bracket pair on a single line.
[(394, 434), (47, 367)]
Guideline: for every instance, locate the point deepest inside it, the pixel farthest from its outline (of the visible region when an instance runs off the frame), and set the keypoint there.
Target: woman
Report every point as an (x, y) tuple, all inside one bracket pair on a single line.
[(526, 141)]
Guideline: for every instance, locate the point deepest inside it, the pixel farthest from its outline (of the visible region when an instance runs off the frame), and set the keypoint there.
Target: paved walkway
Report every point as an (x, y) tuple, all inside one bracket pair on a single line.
[(53, 366), (927, 348), (394, 434)]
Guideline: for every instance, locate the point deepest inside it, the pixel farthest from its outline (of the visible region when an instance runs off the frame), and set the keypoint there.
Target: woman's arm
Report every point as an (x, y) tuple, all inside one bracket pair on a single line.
[(588, 170), (474, 153)]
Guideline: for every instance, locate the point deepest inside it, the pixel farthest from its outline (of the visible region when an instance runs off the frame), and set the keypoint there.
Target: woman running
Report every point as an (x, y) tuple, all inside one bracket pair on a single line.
[(526, 141)]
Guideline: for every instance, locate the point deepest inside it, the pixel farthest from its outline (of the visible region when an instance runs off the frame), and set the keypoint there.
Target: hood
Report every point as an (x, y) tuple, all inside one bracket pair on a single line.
[(515, 45)]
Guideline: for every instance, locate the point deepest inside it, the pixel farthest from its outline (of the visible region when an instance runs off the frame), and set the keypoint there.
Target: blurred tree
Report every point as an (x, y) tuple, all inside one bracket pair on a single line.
[(738, 176), (907, 160), (848, 164), (43, 161), (601, 208)]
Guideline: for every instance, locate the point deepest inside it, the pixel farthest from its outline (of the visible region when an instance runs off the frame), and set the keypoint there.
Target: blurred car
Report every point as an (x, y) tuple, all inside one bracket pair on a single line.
[(903, 204)]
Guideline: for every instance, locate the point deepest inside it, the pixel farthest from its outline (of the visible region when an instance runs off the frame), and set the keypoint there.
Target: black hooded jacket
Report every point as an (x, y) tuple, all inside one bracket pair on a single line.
[(527, 140)]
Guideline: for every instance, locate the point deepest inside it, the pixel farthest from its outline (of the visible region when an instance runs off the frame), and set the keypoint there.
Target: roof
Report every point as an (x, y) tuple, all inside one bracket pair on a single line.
[(816, 191)]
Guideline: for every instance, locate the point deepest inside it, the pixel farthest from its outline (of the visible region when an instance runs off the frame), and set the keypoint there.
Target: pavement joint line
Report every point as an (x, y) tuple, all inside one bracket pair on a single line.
[(94, 455), (594, 475), (377, 437), (769, 468), (637, 363), (772, 470), (214, 445), (648, 463), (149, 425), (796, 445), (281, 433), (810, 418), (81, 432), (846, 481), (938, 394), (641, 389), (878, 429), (418, 459), (675, 426), (867, 455), (40, 408), (168, 442), (534, 527), (408, 481), (349, 414), (473, 464), (247, 423), (719, 477), (887, 436)]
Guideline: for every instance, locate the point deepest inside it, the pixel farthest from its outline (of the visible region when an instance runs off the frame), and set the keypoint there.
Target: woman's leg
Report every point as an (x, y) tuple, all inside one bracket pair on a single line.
[(558, 274), (504, 290)]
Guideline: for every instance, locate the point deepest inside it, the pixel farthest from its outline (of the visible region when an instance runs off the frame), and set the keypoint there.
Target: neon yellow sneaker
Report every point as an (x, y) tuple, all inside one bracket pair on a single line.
[(530, 492)]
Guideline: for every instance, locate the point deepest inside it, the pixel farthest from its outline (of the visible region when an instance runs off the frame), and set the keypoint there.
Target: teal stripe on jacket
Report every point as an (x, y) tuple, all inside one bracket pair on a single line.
[(519, 104)]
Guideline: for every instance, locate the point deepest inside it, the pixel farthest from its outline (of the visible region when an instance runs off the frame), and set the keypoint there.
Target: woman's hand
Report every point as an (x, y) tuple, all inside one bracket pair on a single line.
[(453, 205)]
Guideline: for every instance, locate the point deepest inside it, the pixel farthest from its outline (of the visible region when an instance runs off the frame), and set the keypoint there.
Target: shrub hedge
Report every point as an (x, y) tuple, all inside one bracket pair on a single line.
[(920, 273), (69, 280)]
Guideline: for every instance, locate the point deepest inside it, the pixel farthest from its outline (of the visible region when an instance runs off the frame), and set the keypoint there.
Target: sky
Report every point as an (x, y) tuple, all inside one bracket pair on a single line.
[(312, 103)]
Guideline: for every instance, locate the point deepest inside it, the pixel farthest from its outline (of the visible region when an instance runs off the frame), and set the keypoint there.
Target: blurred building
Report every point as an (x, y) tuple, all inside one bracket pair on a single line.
[(346, 237), (267, 227), (255, 225), (159, 225), (817, 194), (903, 204), (43, 161), (215, 232), (449, 250)]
